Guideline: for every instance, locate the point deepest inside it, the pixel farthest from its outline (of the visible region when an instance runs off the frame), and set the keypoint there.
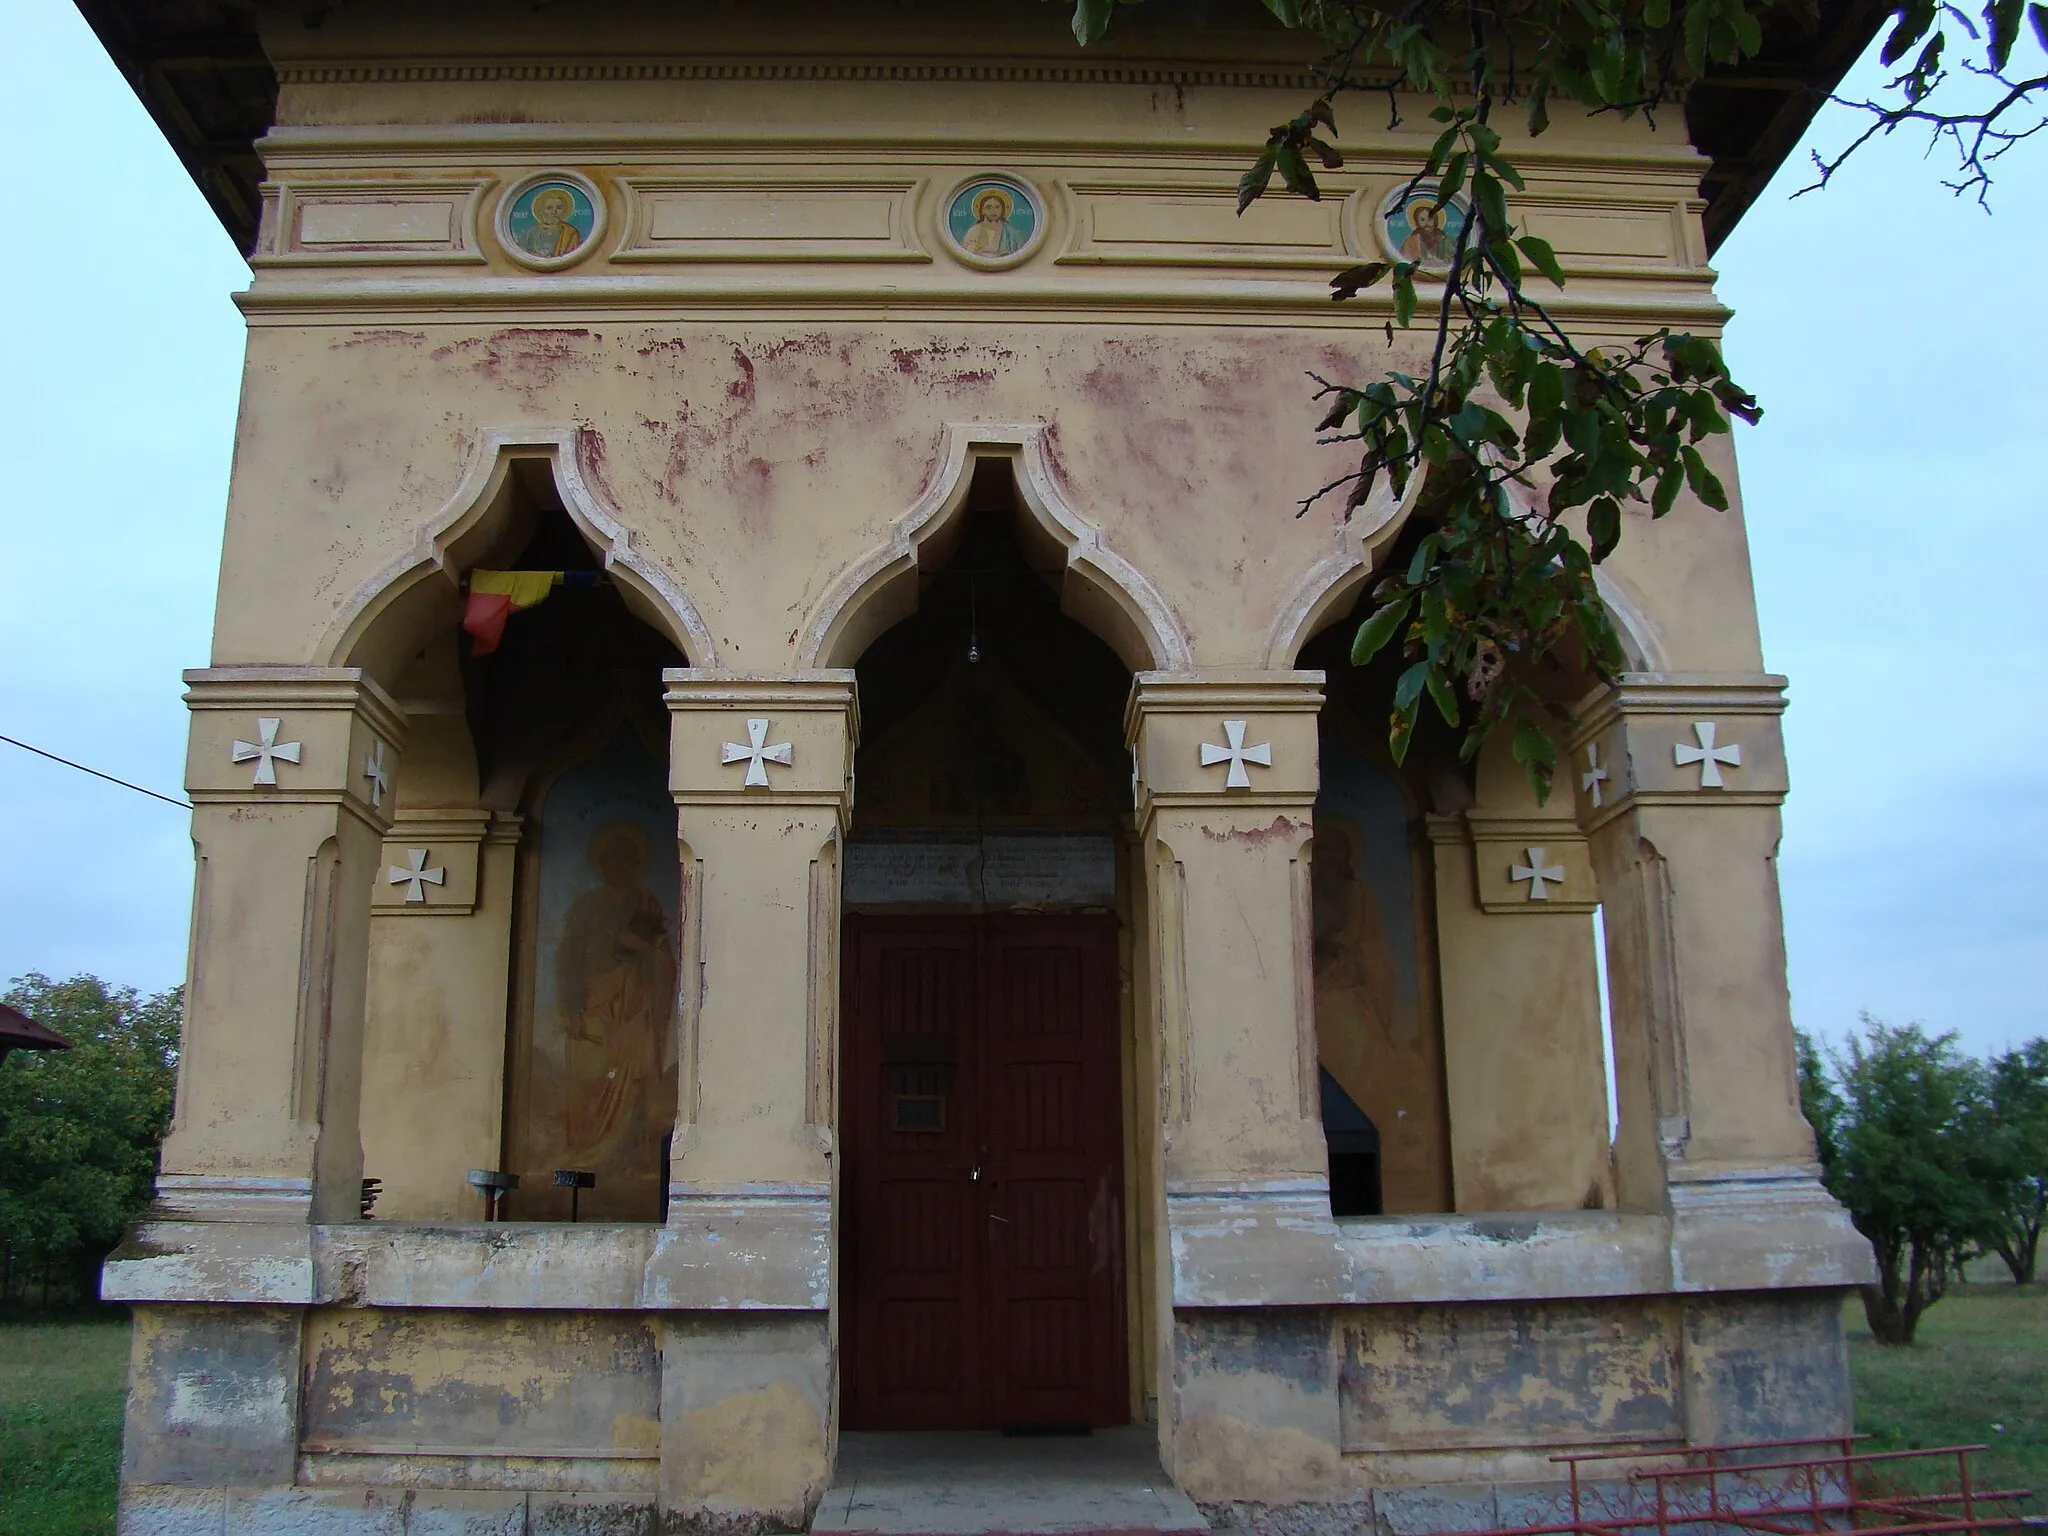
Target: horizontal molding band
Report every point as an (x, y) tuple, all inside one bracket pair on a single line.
[(578, 300), (891, 71)]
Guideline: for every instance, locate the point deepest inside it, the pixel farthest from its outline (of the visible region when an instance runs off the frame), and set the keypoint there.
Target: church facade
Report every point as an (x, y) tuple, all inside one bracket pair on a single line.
[(777, 770)]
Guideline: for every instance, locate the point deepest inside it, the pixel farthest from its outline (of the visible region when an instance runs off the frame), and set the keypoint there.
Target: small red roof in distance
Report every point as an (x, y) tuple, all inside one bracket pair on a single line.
[(20, 1032)]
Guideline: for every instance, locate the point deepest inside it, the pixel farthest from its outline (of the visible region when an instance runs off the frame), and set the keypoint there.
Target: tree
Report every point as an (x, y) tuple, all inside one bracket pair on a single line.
[(1819, 1101), (1903, 1125), (1531, 445), (79, 1128), (2013, 1147)]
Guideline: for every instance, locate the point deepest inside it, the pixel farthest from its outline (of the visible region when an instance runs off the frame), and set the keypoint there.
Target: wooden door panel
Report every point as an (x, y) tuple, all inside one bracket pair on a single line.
[(912, 1264), (982, 1261), (1055, 1109)]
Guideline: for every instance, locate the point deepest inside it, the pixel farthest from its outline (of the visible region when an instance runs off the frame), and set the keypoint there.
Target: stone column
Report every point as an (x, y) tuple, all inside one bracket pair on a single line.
[(290, 773), (762, 771), (1226, 766), (1523, 1071), (1679, 779), (440, 973)]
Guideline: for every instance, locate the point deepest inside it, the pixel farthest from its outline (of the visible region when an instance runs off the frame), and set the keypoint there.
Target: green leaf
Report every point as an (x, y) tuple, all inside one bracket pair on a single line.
[(1534, 750), (1295, 173), (1347, 283), (1404, 293), (1656, 13), (1091, 20), (1454, 178), (1914, 22), (1541, 257), (1703, 481), (2038, 15), (2004, 16), (1603, 526), (1409, 689), (1669, 484), (1401, 731), (1376, 631), (1440, 694), (1252, 185), (1288, 11)]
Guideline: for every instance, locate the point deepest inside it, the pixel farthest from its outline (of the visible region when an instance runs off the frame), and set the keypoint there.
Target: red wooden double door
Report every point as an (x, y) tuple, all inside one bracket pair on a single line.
[(982, 1252)]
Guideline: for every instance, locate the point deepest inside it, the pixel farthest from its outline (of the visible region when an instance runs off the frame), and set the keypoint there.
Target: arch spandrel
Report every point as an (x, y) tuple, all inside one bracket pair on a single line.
[(1101, 590), (385, 619), (1328, 590)]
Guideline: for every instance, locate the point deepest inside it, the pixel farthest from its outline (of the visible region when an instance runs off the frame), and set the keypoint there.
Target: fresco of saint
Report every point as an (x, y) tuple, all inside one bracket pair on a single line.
[(546, 222), (615, 982)]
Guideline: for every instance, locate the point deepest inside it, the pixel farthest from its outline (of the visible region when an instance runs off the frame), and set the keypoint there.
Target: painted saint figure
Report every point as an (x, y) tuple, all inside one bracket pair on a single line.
[(554, 232), (615, 980), (1427, 240), (992, 233)]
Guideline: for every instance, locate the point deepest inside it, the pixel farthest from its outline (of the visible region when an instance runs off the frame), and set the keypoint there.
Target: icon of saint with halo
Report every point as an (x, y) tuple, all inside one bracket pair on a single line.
[(554, 232)]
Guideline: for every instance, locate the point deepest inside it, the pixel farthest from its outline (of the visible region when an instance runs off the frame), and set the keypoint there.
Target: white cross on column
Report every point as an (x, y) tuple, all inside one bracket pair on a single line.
[(756, 754), (1237, 754), (375, 771), (1536, 872), (414, 873), (1710, 757), (1595, 774), (266, 751)]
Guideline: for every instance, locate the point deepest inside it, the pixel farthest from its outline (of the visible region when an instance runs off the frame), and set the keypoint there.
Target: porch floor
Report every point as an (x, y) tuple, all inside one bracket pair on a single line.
[(978, 1483)]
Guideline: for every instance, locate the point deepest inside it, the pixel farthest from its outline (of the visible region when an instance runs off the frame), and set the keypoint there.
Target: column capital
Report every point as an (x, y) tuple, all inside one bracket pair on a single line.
[(1225, 739), (294, 735), (1678, 739), (800, 755)]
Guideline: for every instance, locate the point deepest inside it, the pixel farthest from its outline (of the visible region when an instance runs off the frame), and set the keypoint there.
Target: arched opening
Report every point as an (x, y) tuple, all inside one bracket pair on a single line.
[(985, 1120), (1379, 1027), (525, 934), (1456, 981)]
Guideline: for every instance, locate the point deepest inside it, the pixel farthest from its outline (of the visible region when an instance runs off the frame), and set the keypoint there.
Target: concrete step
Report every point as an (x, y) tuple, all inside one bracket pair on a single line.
[(974, 1483)]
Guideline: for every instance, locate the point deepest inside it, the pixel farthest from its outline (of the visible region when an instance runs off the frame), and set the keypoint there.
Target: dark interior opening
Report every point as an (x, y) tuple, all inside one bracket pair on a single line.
[(1354, 1143)]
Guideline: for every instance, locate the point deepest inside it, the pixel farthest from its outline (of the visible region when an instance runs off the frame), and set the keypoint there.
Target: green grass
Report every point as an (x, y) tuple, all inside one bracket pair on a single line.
[(1981, 1361), (1977, 1374), (61, 1386)]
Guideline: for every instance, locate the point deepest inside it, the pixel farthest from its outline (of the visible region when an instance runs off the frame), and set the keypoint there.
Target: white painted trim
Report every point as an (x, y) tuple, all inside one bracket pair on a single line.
[(481, 488), (1332, 583), (1104, 575), (1326, 588)]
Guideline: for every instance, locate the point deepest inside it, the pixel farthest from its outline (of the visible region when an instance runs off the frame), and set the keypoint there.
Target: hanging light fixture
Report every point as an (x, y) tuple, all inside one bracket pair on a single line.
[(973, 625)]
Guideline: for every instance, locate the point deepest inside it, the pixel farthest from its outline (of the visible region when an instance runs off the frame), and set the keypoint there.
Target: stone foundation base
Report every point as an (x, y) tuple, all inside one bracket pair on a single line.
[(160, 1510)]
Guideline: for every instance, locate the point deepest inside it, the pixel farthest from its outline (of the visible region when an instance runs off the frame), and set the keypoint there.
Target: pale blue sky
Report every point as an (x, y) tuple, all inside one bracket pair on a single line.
[(1895, 500)]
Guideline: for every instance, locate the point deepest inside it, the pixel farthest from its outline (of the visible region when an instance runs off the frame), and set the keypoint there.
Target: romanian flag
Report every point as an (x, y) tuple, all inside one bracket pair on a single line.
[(494, 596)]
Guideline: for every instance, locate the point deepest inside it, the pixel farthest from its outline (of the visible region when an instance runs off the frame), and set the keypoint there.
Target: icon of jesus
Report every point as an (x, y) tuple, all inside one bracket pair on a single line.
[(991, 233)]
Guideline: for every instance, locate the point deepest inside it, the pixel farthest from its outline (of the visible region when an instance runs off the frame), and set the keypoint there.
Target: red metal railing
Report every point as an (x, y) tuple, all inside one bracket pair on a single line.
[(1773, 1488)]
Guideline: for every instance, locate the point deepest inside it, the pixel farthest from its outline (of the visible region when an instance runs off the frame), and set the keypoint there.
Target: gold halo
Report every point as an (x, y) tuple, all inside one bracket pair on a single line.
[(1424, 202), (611, 833), (983, 194), (551, 189)]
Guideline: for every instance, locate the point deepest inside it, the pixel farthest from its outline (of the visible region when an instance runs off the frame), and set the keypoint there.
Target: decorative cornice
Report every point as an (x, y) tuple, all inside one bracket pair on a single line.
[(887, 71)]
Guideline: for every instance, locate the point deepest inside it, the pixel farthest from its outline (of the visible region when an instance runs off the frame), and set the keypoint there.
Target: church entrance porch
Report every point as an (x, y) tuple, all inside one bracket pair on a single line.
[(982, 1114)]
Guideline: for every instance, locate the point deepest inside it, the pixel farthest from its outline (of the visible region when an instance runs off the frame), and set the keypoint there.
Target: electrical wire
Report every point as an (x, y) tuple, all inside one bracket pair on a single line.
[(183, 805)]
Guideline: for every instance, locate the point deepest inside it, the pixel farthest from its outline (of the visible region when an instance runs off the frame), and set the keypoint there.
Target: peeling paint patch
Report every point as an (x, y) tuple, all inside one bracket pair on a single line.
[(1511, 1374)]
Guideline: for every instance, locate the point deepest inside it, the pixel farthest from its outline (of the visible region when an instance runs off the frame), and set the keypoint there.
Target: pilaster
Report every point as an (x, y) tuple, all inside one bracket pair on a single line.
[(762, 772), (1515, 890), (291, 772), (1678, 779)]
